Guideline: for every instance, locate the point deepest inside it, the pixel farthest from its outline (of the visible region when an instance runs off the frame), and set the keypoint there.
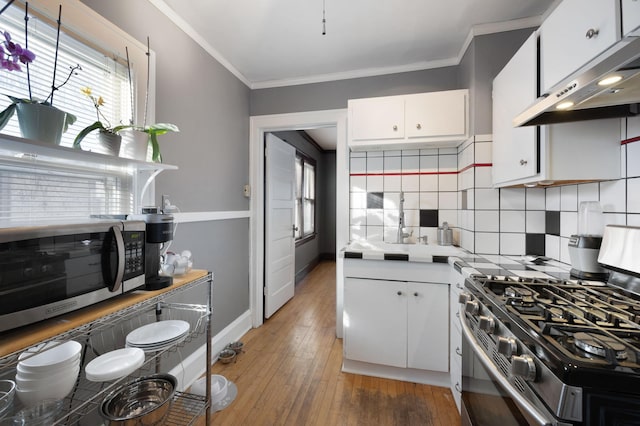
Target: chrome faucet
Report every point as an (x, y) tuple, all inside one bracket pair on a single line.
[(401, 234)]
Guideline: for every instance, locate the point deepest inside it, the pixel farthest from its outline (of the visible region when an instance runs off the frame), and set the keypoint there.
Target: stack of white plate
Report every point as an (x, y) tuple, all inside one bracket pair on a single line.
[(47, 371), (114, 365), (158, 336)]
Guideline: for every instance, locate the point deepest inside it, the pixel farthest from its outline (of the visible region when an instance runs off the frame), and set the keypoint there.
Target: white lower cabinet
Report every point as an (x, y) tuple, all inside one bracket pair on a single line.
[(397, 323), (455, 342)]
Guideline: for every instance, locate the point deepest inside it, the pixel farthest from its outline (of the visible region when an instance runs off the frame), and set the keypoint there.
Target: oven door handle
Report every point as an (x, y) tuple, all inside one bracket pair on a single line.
[(539, 417)]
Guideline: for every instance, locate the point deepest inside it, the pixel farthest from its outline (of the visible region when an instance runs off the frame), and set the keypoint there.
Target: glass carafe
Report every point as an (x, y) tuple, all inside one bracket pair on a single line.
[(590, 219)]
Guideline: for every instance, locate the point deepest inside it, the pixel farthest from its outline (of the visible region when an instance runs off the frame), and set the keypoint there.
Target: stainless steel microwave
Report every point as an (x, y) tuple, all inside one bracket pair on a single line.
[(49, 270)]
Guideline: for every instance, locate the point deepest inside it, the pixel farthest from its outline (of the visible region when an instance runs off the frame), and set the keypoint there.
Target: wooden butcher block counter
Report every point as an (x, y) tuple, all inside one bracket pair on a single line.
[(23, 337)]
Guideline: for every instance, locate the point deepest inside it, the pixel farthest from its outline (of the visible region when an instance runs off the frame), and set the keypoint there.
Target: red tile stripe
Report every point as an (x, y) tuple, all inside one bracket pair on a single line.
[(630, 140), (423, 173)]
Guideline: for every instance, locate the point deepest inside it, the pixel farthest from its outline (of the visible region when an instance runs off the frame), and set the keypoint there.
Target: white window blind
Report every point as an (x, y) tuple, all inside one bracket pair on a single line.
[(305, 196), (46, 191)]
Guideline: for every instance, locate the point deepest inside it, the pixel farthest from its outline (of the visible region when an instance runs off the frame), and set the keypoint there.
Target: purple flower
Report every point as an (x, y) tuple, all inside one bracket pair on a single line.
[(11, 53)]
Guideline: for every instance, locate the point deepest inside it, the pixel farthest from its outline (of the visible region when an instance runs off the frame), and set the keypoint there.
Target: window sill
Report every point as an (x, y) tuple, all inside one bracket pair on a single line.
[(306, 239)]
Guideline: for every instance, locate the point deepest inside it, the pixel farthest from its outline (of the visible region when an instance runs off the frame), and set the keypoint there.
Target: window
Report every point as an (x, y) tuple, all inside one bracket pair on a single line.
[(42, 190), (107, 77), (305, 197)]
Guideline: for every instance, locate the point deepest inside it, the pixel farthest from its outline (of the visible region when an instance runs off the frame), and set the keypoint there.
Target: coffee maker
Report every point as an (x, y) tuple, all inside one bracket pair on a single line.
[(159, 231), (584, 246)]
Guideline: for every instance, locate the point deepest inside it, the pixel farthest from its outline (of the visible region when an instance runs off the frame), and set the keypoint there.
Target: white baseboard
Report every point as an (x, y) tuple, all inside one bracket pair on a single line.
[(194, 365), (434, 378)]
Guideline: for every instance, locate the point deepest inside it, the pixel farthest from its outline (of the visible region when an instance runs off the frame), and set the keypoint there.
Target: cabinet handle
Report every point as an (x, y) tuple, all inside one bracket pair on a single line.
[(416, 294), (459, 286), (523, 162), (418, 126), (399, 293), (458, 351), (458, 315), (395, 128), (457, 386), (591, 33)]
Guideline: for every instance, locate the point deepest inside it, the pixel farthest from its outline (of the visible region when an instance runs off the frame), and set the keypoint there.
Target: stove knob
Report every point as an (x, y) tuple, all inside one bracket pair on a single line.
[(524, 367), (487, 324), (507, 346), (472, 307), (464, 297)]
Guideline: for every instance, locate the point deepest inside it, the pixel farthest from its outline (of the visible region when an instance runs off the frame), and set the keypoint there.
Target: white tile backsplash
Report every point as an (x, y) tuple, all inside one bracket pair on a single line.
[(569, 198), (633, 195), (428, 200), (428, 183), (393, 183), (448, 182), (535, 199), (512, 199), (448, 200), (358, 165), (393, 164), (494, 221), (512, 244), (535, 222), (411, 183), (568, 223), (512, 221), (487, 221), (375, 183), (588, 192), (612, 196), (375, 164), (487, 199), (487, 243)]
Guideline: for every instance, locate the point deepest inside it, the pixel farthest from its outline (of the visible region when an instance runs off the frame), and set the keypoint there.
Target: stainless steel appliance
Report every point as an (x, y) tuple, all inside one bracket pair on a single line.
[(159, 231), (53, 269), (553, 351), (584, 247)]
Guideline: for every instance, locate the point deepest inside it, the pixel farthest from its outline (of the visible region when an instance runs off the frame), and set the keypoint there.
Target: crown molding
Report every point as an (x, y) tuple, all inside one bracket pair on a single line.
[(476, 30)]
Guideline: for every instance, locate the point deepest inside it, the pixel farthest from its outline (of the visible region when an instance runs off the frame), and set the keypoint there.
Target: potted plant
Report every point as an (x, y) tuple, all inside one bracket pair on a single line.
[(136, 139), (38, 120), (108, 136)]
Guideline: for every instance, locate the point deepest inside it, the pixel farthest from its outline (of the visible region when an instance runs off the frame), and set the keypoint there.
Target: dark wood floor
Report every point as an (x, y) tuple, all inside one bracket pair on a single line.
[(290, 373)]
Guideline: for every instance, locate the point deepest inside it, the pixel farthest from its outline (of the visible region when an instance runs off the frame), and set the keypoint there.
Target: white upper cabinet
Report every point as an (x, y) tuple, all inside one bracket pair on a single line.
[(630, 16), (575, 32), (433, 119), (436, 114), (514, 89), (377, 118), (580, 151)]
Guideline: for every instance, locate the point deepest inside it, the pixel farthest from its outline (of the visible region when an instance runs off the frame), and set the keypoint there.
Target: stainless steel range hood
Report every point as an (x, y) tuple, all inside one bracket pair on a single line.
[(584, 96)]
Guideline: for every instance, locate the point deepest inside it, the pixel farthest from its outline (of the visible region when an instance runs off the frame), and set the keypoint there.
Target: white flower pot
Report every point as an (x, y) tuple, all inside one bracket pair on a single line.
[(109, 143), (135, 144), (40, 122)]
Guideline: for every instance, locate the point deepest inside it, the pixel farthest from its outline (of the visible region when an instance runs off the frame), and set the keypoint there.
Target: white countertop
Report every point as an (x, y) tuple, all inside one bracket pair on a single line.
[(379, 250)]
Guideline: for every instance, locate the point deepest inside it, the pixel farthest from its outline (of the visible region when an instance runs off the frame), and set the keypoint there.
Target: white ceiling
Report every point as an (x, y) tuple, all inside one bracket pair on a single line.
[(269, 43)]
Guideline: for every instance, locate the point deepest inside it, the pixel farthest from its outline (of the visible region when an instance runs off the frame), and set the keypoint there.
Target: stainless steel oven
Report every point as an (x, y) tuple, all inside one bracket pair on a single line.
[(49, 270)]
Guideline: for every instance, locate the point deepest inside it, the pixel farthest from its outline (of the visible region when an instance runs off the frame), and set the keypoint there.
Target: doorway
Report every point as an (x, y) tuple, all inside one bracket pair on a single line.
[(259, 125)]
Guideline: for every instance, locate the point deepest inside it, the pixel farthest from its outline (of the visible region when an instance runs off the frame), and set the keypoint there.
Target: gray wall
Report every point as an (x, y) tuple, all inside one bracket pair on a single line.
[(211, 107), (309, 252), (483, 60), (334, 94)]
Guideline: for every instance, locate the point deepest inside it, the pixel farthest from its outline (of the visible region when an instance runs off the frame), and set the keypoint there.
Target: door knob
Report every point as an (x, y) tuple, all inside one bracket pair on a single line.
[(295, 229)]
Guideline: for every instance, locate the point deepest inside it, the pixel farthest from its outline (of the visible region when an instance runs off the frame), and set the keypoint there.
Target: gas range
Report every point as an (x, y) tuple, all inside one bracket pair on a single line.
[(558, 347)]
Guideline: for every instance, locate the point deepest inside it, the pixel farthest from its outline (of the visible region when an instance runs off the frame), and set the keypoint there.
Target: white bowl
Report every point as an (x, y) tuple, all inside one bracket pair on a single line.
[(219, 387), (28, 373), (50, 358), (32, 397), (63, 379)]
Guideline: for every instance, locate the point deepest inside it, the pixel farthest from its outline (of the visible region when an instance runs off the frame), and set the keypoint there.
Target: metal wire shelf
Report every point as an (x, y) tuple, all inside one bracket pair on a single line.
[(82, 405)]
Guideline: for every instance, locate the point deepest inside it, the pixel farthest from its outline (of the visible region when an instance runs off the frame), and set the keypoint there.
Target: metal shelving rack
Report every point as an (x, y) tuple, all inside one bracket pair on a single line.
[(108, 333)]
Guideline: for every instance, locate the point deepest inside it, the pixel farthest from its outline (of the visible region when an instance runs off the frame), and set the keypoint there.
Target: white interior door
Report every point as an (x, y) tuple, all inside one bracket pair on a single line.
[(280, 200)]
